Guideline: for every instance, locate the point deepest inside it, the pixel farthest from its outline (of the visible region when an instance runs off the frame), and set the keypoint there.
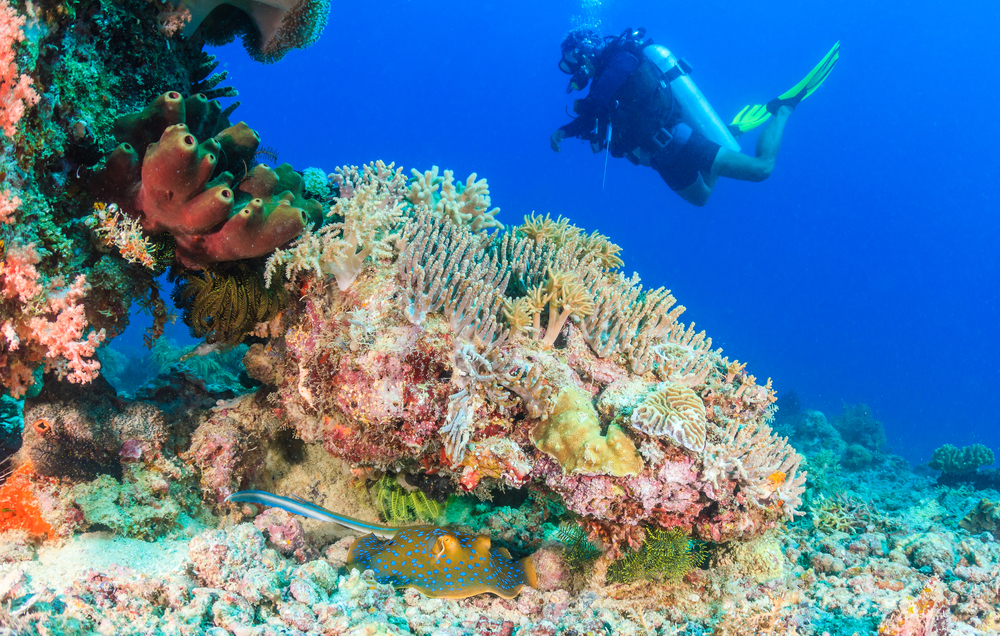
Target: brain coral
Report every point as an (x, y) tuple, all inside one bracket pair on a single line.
[(442, 344), (676, 411)]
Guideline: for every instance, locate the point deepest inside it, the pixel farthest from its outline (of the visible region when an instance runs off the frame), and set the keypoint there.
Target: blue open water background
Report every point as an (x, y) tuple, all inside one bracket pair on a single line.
[(864, 270)]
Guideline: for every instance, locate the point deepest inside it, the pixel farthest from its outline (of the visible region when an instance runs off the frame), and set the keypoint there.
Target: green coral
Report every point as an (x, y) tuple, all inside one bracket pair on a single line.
[(224, 304), (968, 459), (398, 505), (669, 554)]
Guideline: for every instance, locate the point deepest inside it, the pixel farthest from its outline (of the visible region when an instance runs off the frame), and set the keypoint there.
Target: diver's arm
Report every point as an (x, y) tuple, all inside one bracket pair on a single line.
[(598, 102)]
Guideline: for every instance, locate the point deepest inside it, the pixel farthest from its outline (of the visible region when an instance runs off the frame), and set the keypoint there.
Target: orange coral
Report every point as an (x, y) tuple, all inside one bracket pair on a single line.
[(19, 509), (777, 478)]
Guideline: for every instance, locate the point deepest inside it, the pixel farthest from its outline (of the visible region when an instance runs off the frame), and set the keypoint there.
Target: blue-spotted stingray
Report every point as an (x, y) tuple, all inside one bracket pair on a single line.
[(437, 562)]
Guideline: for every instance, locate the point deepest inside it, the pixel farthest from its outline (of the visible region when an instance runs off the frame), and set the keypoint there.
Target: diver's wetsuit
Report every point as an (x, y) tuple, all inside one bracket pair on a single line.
[(679, 162)]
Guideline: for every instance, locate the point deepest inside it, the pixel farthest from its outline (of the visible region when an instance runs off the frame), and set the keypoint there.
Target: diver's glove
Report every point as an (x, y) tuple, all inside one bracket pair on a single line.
[(556, 139)]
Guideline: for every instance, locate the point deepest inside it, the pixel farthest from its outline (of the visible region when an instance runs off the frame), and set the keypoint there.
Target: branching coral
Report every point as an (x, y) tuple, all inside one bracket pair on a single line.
[(445, 267), (467, 204), (766, 466), (44, 322), (570, 238), (370, 206)]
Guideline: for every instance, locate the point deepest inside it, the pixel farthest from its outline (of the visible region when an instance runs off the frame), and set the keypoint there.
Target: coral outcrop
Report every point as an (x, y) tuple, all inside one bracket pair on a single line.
[(269, 29), (431, 357)]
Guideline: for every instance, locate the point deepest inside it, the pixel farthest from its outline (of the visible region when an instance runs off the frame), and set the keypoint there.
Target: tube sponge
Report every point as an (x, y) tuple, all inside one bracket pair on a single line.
[(162, 175)]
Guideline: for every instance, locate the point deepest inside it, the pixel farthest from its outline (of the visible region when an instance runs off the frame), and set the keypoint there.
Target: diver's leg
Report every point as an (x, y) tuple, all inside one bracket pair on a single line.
[(699, 192), (736, 165)]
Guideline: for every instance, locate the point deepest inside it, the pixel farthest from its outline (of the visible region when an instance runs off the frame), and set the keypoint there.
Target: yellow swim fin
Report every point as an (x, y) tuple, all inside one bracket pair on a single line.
[(755, 115), (749, 118)]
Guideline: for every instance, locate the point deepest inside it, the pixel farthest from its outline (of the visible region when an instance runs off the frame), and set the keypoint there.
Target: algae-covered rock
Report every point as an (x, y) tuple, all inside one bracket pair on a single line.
[(758, 560), (151, 500)]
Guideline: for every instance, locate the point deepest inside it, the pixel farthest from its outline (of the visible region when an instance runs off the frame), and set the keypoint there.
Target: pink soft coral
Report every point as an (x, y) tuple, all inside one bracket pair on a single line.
[(15, 89), (44, 322), (8, 205)]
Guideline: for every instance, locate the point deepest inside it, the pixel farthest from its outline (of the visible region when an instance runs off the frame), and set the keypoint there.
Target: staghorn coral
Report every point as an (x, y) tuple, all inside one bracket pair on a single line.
[(225, 303)]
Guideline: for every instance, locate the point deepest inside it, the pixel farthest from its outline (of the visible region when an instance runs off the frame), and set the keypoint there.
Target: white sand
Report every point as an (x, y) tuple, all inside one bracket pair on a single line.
[(57, 567)]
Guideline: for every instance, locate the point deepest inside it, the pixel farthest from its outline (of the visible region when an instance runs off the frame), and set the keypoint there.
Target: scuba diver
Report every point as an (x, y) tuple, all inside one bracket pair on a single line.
[(643, 106)]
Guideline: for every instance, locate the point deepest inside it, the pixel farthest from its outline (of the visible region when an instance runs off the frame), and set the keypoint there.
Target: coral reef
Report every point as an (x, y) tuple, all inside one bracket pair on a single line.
[(436, 383), (510, 381)]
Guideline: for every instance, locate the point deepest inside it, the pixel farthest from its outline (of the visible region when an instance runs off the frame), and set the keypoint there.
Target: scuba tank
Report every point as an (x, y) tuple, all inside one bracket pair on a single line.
[(696, 112)]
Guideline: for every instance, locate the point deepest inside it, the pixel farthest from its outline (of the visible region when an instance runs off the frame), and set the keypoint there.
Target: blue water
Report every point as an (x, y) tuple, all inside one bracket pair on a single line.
[(864, 270)]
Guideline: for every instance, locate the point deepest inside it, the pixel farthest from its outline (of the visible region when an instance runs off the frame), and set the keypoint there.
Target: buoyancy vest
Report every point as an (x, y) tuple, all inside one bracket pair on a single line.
[(644, 112)]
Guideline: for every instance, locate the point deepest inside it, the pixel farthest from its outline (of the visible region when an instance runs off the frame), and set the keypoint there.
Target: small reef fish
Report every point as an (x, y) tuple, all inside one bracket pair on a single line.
[(437, 562)]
